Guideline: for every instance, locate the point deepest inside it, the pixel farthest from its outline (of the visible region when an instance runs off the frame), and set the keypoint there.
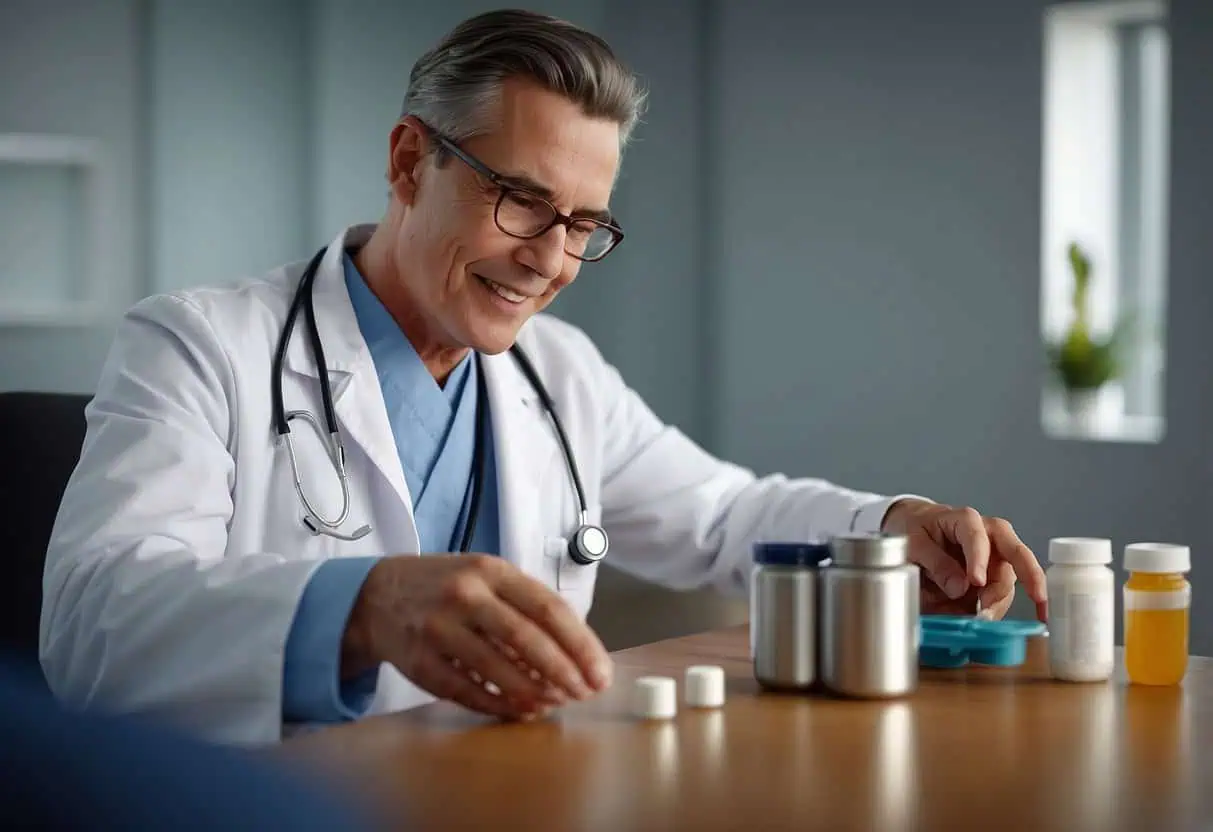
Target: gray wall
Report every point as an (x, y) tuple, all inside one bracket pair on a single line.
[(878, 184), (229, 115), (77, 67), (832, 263)]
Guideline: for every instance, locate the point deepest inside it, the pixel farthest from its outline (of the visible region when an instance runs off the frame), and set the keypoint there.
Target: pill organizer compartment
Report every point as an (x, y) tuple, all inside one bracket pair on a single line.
[(952, 641)]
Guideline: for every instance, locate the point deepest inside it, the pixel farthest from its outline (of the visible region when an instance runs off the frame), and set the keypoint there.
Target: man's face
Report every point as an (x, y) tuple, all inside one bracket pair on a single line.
[(474, 284)]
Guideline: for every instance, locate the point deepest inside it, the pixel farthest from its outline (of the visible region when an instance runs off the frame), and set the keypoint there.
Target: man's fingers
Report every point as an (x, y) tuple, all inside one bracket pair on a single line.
[(440, 677), (933, 601), (530, 645), (997, 595), (551, 615), (967, 527), (994, 556), (998, 610), (479, 655), (942, 569), (999, 590), (1013, 550)]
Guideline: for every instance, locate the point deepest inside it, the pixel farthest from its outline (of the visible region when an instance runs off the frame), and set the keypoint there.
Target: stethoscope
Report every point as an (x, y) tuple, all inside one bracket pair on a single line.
[(589, 543)]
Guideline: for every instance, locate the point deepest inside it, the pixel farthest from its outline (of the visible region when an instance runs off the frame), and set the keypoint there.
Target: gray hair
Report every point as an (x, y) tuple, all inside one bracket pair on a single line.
[(455, 88)]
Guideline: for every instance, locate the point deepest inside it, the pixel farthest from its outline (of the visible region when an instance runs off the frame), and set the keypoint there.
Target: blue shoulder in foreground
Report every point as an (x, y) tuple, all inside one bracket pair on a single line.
[(69, 770)]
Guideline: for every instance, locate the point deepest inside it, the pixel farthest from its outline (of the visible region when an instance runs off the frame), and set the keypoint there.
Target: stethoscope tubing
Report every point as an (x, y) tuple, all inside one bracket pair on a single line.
[(302, 299)]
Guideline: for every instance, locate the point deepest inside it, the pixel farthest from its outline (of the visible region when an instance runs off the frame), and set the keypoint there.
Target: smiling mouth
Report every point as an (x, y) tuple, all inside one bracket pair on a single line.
[(503, 291)]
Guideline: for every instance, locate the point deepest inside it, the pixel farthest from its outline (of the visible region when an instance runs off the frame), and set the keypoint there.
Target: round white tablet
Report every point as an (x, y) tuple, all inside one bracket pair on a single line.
[(655, 697), (704, 686)]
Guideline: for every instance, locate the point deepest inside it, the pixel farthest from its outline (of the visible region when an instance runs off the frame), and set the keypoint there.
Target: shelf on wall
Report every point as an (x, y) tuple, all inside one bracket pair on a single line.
[(42, 149), (53, 234), (64, 314)]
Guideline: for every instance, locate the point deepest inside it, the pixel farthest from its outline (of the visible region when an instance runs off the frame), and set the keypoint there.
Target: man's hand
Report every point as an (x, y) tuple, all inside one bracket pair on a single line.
[(454, 623), (968, 558)]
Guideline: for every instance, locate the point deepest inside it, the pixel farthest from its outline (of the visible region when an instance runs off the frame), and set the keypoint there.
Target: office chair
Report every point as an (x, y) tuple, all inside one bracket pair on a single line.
[(41, 435), (69, 770)]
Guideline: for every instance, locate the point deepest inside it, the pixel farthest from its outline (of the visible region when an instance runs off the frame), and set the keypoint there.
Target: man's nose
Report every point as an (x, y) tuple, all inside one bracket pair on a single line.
[(547, 252)]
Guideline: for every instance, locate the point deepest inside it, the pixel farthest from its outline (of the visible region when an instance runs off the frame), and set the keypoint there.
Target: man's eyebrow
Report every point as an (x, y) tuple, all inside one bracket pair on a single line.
[(529, 185)]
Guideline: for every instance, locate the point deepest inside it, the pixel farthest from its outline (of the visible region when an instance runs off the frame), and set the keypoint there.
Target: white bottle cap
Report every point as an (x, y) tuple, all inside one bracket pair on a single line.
[(655, 697), (1157, 558), (1080, 551), (704, 686)]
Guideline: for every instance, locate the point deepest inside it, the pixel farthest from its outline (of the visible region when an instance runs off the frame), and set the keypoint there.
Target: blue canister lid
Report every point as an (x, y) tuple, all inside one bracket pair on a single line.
[(770, 553)]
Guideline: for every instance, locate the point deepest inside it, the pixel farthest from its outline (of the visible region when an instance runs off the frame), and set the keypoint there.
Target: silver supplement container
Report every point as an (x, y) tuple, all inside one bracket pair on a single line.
[(869, 618), (784, 590)]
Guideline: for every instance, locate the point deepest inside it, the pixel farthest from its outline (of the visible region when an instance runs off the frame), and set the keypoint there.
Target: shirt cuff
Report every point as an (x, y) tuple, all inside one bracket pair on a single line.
[(868, 518), (312, 690)]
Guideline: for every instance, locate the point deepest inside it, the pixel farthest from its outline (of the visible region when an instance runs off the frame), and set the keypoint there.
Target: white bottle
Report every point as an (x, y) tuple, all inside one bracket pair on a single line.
[(1082, 609)]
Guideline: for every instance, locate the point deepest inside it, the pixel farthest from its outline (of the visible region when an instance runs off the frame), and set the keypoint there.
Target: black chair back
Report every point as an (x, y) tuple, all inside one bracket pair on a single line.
[(41, 435)]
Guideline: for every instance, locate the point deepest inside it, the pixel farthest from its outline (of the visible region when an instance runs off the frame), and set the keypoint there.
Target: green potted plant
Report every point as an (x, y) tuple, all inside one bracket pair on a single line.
[(1082, 364)]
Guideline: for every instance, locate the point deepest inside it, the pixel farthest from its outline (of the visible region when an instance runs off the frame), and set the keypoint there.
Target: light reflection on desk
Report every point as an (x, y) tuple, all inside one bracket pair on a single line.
[(1154, 735), (711, 750), (1096, 798), (1078, 776), (631, 763), (896, 763)]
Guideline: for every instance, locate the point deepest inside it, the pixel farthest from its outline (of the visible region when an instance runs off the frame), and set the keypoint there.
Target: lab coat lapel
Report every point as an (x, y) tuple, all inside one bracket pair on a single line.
[(357, 397), (524, 445)]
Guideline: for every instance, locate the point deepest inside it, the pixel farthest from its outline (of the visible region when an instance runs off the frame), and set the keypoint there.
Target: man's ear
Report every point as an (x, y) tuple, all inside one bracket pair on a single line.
[(406, 151)]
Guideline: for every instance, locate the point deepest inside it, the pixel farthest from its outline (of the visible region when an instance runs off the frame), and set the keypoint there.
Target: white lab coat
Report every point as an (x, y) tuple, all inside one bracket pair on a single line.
[(178, 555)]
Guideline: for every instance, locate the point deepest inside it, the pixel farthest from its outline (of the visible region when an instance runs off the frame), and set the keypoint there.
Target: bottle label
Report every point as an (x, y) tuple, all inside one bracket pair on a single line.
[(1173, 599), (1081, 630)]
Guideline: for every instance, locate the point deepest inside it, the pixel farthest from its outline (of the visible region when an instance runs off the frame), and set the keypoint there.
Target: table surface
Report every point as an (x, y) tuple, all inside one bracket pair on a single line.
[(977, 748)]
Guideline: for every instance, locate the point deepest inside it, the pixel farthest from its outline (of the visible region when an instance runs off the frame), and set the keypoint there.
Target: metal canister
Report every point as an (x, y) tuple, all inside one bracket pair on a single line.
[(784, 613), (869, 617)]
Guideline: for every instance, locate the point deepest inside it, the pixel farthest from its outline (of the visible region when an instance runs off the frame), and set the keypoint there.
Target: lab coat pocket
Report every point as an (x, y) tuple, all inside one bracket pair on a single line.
[(574, 581), (572, 577)]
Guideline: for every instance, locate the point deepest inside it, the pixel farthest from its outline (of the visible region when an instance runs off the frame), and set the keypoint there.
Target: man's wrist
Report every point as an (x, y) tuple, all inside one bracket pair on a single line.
[(357, 642), (899, 512)]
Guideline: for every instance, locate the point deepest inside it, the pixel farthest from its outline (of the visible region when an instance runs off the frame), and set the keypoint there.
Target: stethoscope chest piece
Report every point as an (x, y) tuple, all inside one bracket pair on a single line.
[(589, 544)]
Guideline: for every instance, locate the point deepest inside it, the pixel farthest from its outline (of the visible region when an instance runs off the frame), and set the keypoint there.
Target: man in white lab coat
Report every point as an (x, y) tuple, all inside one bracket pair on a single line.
[(186, 576)]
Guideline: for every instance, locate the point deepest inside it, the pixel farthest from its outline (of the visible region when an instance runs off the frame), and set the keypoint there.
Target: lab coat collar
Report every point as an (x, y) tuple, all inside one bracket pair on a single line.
[(525, 443), (344, 348), (357, 396)]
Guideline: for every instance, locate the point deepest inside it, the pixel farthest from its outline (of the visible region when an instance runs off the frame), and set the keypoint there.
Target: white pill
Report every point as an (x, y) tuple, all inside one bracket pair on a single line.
[(704, 686), (655, 697)]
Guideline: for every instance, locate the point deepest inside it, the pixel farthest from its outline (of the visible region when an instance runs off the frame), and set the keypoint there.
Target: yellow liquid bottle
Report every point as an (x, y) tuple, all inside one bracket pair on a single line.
[(1157, 601)]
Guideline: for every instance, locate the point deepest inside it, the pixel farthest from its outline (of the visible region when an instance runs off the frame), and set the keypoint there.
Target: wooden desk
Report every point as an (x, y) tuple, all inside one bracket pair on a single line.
[(977, 749)]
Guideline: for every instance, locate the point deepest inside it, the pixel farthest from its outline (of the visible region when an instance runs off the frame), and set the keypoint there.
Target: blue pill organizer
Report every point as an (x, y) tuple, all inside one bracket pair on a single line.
[(952, 641)]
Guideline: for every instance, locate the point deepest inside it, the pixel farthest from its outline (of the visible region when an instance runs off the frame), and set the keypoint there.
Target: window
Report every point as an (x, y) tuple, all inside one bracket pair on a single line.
[(1105, 170)]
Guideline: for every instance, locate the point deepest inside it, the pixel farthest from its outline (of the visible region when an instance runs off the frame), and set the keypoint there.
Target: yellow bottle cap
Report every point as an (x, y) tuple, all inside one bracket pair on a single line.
[(1157, 558)]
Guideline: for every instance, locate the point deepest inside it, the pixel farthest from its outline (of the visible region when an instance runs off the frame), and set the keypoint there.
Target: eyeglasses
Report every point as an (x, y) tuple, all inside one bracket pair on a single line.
[(526, 215)]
